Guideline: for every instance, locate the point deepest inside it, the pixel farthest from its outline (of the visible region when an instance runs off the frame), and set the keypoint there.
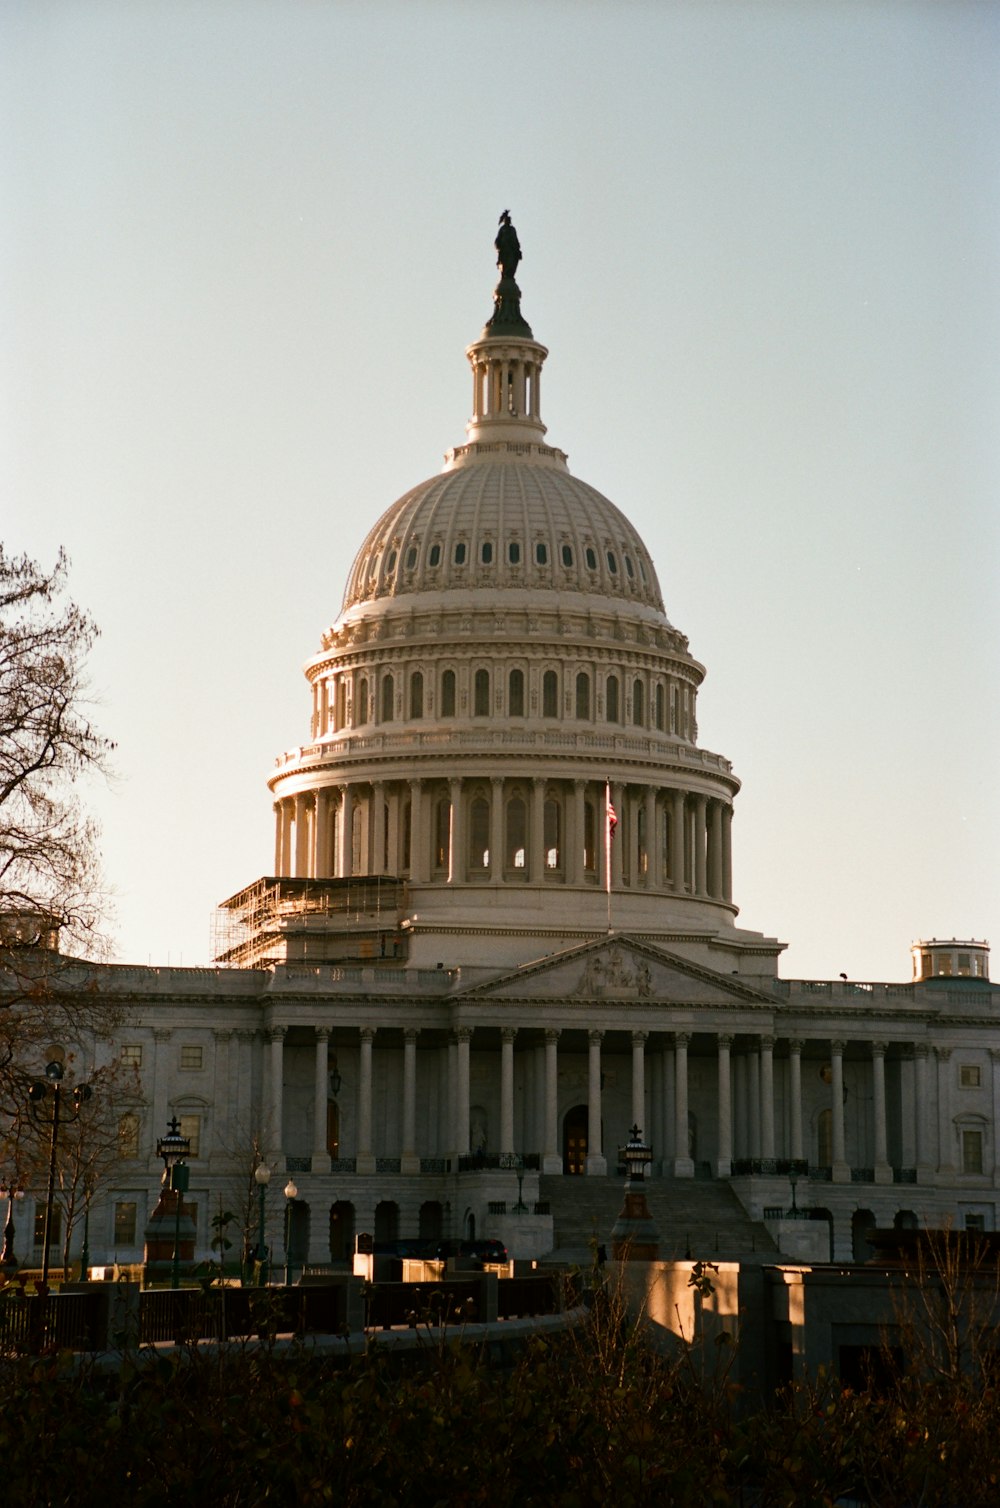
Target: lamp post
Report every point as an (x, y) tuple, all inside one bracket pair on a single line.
[(9, 1191), (635, 1237), (37, 1094), (262, 1177), (174, 1148), (291, 1194)]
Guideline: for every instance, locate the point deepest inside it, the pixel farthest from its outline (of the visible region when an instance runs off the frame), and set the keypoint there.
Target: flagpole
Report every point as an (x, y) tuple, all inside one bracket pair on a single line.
[(609, 818)]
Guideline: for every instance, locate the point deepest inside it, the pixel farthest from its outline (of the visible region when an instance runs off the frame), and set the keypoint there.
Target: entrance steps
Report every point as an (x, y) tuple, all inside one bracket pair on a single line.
[(697, 1218)]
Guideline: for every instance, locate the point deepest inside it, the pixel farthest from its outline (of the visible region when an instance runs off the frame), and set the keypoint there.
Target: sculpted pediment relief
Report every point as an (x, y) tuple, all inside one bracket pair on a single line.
[(615, 973)]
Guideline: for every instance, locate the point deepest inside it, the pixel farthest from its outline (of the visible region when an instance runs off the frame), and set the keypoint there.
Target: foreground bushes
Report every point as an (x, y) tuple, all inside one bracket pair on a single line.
[(595, 1417)]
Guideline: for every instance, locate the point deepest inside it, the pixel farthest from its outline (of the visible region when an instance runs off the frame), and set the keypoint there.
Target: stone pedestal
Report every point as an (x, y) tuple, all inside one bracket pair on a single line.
[(635, 1237), (170, 1225)]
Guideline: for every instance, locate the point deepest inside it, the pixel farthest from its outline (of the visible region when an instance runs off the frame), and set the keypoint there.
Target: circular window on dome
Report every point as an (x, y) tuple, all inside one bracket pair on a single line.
[(486, 552), (629, 568), (434, 558), (514, 552), (541, 553), (567, 555), (591, 559), (460, 553), (612, 563), (411, 557)]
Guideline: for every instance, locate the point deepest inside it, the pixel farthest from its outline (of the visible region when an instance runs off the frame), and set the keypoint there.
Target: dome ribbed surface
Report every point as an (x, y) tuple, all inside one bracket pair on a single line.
[(507, 524)]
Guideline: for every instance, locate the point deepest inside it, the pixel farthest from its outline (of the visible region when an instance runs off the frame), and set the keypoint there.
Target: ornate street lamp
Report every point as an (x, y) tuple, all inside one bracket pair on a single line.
[(635, 1237), (39, 1092), (174, 1149), (9, 1191), (262, 1177), (291, 1194)]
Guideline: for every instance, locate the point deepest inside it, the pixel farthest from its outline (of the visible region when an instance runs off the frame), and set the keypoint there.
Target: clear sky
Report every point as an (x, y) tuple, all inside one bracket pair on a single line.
[(242, 248)]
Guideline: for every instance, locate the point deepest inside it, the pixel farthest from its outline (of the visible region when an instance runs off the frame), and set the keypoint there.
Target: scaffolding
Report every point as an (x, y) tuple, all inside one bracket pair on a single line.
[(282, 920)]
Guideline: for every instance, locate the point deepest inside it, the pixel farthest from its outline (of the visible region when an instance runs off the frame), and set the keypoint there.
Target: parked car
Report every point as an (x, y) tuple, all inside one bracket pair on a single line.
[(483, 1252)]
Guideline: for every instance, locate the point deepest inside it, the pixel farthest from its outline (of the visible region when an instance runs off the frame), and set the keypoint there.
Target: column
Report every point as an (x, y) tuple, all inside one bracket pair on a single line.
[(841, 1169), (377, 865), (652, 876), (724, 1161), (754, 1138), (715, 885), (597, 1163), (321, 1099), (700, 845), (618, 841), (639, 1081), (907, 1100), (365, 1159), (418, 839), (463, 1037), (322, 866), (677, 840), (496, 828), (287, 813), (683, 1163), (922, 1113), (995, 1075), (883, 1172), (551, 1156), (741, 1116), (795, 1096), (536, 834), (727, 853), (767, 1098), (574, 833), (277, 837), (409, 1161), (301, 836), (507, 1035), (456, 852), (275, 1118), (669, 1116), (346, 831), (946, 1137)]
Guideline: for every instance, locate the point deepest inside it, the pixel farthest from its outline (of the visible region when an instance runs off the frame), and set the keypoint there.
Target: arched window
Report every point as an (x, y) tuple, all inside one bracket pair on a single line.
[(442, 833), (541, 553), (643, 841), (638, 704), (486, 552), (612, 714), (583, 696), (660, 707), (362, 717), (460, 553), (514, 552), (590, 555), (434, 557), (567, 555), (416, 694), (481, 701), (388, 698), (333, 1128), (550, 694), (448, 694), (516, 839), (589, 832), (128, 1135), (356, 832), (515, 694), (479, 834), (553, 834), (386, 866)]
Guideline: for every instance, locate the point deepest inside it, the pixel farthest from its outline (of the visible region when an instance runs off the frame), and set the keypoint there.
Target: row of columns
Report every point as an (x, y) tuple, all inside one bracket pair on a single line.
[(665, 839)]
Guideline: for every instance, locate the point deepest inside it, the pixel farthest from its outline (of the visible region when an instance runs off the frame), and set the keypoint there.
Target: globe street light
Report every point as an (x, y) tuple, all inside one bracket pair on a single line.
[(39, 1091), (291, 1194), (262, 1177)]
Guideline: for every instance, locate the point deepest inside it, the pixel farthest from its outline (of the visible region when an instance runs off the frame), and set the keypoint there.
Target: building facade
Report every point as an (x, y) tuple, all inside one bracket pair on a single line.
[(499, 928)]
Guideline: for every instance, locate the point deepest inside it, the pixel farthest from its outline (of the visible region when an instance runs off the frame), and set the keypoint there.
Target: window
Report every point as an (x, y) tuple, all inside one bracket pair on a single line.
[(583, 696), (969, 1076), (191, 1057), (514, 552), (481, 700), (388, 698), (448, 694), (567, 555), (442, 833), (479, 834), (416, 694), (515, 694), (362, 717), (434, 557), (590, 556), (972, 1151), (125, 1223), (517, 834), (486, 552), (132, 1055), (639, 704), (612, 563), (550, 694), (974, 1221), (411, 557), (191, 1129), (553, 834), (390, 562), (629, 568), (128, 1135), (541, 553), (589, 829), (612, 713), (459, 556), (55, 1228)]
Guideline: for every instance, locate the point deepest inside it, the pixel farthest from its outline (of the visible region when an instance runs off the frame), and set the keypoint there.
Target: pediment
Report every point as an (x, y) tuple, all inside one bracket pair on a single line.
[(620, 968)]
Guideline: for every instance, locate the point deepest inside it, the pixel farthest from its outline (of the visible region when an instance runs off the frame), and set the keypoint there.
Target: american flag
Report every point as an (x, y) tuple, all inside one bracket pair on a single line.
[(612, 819)]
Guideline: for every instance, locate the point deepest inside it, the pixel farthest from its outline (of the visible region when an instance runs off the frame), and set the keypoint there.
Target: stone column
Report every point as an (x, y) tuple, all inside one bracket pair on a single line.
[(321, 1099), (457, 854), (496, 829), (754, 1138), (741, 1120), (767, 1098), (883, 1172), (378, 828), (275, 1119), (322, 865), (364, 1154), (618, 842), (597, 1163), (683, 1162), (669, 1109), (922, 1113), (574, 832), (795, 1096), (677, 844), (639, 1080), (841, 1168), (727, 853), (551, 1156), (409, 1161), (277, 837), (907, 1101), (715, 885), (418, 838), (995, 1074), (345, 866), (700, 845), (507, 1035), (463, 1037), (724, 1161), (287, 813), (652, 877), (302, 802), (946, 1138), (536, 833)]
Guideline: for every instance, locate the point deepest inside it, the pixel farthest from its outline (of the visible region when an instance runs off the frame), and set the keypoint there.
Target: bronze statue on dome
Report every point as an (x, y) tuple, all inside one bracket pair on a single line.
[(508, 247)]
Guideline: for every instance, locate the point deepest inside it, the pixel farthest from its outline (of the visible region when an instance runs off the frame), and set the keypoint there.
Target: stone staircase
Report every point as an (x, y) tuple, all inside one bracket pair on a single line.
[(695, 1218)]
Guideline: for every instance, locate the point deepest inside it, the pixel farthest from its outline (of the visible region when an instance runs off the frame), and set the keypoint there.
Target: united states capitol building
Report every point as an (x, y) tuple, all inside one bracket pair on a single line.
[(499, 927)]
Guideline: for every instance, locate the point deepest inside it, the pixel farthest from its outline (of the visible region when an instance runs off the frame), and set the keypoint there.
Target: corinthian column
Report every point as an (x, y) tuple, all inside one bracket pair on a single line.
[(365, 1159), (841, 1172), (409, 1161), (507, 1035), (724, 1164), (321, 1098), (883, 1172), (551, 1156), (596, 1161), (683, 1162)]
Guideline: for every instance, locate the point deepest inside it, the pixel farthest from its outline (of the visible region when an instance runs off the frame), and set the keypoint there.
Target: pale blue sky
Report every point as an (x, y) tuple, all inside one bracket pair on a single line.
[(242, 249)]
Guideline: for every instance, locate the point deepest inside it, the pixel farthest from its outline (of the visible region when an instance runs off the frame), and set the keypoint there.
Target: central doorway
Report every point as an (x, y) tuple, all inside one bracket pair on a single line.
[(575, 1134)]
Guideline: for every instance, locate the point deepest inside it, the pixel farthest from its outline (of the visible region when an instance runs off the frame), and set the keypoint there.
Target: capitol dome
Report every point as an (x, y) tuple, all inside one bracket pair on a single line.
[(501, 691)]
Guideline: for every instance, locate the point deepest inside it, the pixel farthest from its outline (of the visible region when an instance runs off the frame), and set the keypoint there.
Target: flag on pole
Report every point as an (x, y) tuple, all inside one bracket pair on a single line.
[(612, 815), (611, 822)]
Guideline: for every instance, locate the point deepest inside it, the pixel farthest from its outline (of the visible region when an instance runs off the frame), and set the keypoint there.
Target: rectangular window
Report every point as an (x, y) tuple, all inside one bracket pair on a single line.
[(975, 1221), (55, 1232), (969, 1076), (972, 1151), (191, 1129), (125, 1223), (191, 1057), (132, 1055)]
